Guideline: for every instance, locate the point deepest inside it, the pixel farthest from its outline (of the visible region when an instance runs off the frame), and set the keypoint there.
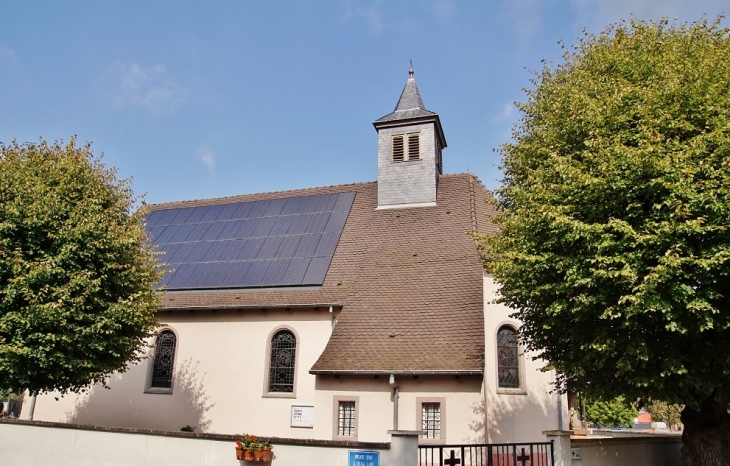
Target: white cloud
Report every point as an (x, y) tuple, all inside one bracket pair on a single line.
[(525, 16), (595, 15), (153, 88), (442, 8), (209, 161), (7, 54), (507, 113), (371, 14)]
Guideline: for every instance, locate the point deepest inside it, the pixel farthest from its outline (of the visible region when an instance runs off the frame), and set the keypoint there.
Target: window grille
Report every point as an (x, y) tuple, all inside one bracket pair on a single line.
[(414, 146), (281, 366), (164, 360), (431, 420), (508, 365), (346, 419), (398, 148)]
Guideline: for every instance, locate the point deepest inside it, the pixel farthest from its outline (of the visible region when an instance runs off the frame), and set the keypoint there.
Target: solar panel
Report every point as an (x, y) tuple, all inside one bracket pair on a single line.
[(182, 216), (154, 217), (183, 231), (258, 209), (275, 273), (256, 273), (297, 268), (167, 235), (275, 207), (299, 224), (317, 270), (230, 229), (236, 273), (278, 242), (326, 203), (167, 217), (197, 233), (196, 214), (212, 213), (183, 251), (263, 228), (269, 248), (318, 222), (307, 246)]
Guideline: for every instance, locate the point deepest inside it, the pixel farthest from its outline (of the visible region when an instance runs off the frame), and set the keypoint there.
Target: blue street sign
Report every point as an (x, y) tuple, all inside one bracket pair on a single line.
[(364, 458)]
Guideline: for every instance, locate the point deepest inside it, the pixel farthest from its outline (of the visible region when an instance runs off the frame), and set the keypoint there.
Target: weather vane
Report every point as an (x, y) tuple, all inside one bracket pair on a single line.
[(410, 72)]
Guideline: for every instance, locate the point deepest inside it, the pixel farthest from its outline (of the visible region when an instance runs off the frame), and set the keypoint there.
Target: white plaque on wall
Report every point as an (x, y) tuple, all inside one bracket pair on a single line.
[(302, 416)]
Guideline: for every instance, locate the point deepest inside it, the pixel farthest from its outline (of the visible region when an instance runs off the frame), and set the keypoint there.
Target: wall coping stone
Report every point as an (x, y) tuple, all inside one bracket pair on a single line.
[(198, 435)]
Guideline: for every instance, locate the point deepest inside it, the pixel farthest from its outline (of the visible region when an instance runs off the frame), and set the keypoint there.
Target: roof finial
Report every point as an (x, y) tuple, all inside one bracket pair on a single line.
[(410, 72)]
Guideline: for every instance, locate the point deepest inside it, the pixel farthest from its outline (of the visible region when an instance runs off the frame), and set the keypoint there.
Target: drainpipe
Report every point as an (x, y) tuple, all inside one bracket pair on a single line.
[(394, 386), (32, 407), (560, 409)]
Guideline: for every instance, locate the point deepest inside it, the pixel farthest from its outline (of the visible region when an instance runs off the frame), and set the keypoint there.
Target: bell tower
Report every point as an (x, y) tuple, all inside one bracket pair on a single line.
[(410, 141)]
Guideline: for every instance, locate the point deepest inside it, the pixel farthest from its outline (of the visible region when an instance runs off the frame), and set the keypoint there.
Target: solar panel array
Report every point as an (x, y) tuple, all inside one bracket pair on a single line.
[(267, 243)]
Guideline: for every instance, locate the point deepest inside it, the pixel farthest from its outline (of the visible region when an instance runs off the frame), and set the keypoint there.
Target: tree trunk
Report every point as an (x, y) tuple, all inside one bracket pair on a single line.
[(706, 437)]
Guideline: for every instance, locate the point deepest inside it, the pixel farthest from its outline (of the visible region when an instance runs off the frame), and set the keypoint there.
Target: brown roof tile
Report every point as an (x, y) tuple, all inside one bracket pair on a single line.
[(409, 282)]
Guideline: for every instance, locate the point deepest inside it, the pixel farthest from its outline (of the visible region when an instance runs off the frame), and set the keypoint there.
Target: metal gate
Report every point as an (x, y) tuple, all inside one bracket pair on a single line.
[(488, 454)]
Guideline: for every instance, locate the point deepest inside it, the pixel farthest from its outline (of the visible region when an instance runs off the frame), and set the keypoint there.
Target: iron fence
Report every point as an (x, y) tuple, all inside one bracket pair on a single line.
[(488, 454)]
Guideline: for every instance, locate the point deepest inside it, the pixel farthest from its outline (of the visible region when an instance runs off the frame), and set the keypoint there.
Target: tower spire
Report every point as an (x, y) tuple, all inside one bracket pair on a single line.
[(410, 140)]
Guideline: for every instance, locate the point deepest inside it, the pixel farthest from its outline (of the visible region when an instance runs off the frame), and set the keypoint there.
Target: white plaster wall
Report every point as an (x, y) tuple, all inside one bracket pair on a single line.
[(23, 445), (516, 417), (219, 386), (462, 415), (635, 451), (218, 382)]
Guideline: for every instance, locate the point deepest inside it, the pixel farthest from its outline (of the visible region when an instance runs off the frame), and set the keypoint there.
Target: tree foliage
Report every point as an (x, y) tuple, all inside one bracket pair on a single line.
[(616, 412), (661, 411), (76, 270), (615, 241)]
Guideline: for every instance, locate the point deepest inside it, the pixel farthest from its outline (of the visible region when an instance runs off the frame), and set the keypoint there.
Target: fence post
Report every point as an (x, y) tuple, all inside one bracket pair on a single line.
[(561, 446), (403, 448)]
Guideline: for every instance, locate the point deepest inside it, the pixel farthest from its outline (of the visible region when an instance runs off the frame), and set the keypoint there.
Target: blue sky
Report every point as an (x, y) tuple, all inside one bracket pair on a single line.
[(207, 99)]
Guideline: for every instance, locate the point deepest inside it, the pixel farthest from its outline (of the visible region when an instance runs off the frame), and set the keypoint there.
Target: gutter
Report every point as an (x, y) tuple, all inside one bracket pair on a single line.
[(389, 372), (242, 307)]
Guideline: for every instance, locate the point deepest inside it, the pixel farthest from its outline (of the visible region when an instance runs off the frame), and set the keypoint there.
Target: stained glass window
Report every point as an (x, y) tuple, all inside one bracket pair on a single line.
[(431, 420), (508, 365), (282, 364), (164, 360)]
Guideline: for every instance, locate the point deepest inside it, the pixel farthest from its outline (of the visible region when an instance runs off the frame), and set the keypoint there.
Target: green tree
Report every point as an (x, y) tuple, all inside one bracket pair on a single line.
[(616, 412), (662, 411), (615, 222), (76, 271)]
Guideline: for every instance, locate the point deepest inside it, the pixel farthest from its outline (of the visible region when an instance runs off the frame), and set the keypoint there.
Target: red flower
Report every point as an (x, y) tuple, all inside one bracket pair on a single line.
[(238, 443)]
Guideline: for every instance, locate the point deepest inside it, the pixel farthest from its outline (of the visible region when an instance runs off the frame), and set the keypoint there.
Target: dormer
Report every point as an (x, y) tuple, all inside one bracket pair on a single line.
[(410, 141)]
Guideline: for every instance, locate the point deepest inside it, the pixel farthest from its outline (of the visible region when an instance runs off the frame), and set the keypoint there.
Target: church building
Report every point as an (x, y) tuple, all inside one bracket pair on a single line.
[(333, 313)]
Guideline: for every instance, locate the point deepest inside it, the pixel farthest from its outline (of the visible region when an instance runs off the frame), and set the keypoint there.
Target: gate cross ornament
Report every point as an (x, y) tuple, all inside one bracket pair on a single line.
[(452, 461), (523, 458)]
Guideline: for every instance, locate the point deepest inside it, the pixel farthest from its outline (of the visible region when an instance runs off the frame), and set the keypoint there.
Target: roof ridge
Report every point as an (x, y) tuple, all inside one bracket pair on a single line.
[(239, 197)]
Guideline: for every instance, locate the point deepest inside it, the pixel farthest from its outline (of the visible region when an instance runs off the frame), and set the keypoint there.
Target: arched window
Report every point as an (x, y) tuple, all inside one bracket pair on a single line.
[(282, 362), (164, 360), (508, 361)]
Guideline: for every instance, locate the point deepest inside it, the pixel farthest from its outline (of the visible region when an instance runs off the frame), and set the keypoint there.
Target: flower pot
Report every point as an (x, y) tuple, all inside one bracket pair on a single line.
[(262, 455), (244, 454)]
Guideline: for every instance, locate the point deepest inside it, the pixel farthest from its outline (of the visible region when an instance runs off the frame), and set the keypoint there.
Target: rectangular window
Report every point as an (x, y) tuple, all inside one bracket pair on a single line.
[(346, 419), (431, 417), (398, 148)]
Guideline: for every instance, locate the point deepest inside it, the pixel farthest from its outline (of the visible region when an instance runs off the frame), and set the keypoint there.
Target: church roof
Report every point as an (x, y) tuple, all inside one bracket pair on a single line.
[(409, 281)]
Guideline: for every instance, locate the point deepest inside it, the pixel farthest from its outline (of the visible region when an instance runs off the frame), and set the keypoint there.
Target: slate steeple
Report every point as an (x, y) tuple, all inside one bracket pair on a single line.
[(410, 141)]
